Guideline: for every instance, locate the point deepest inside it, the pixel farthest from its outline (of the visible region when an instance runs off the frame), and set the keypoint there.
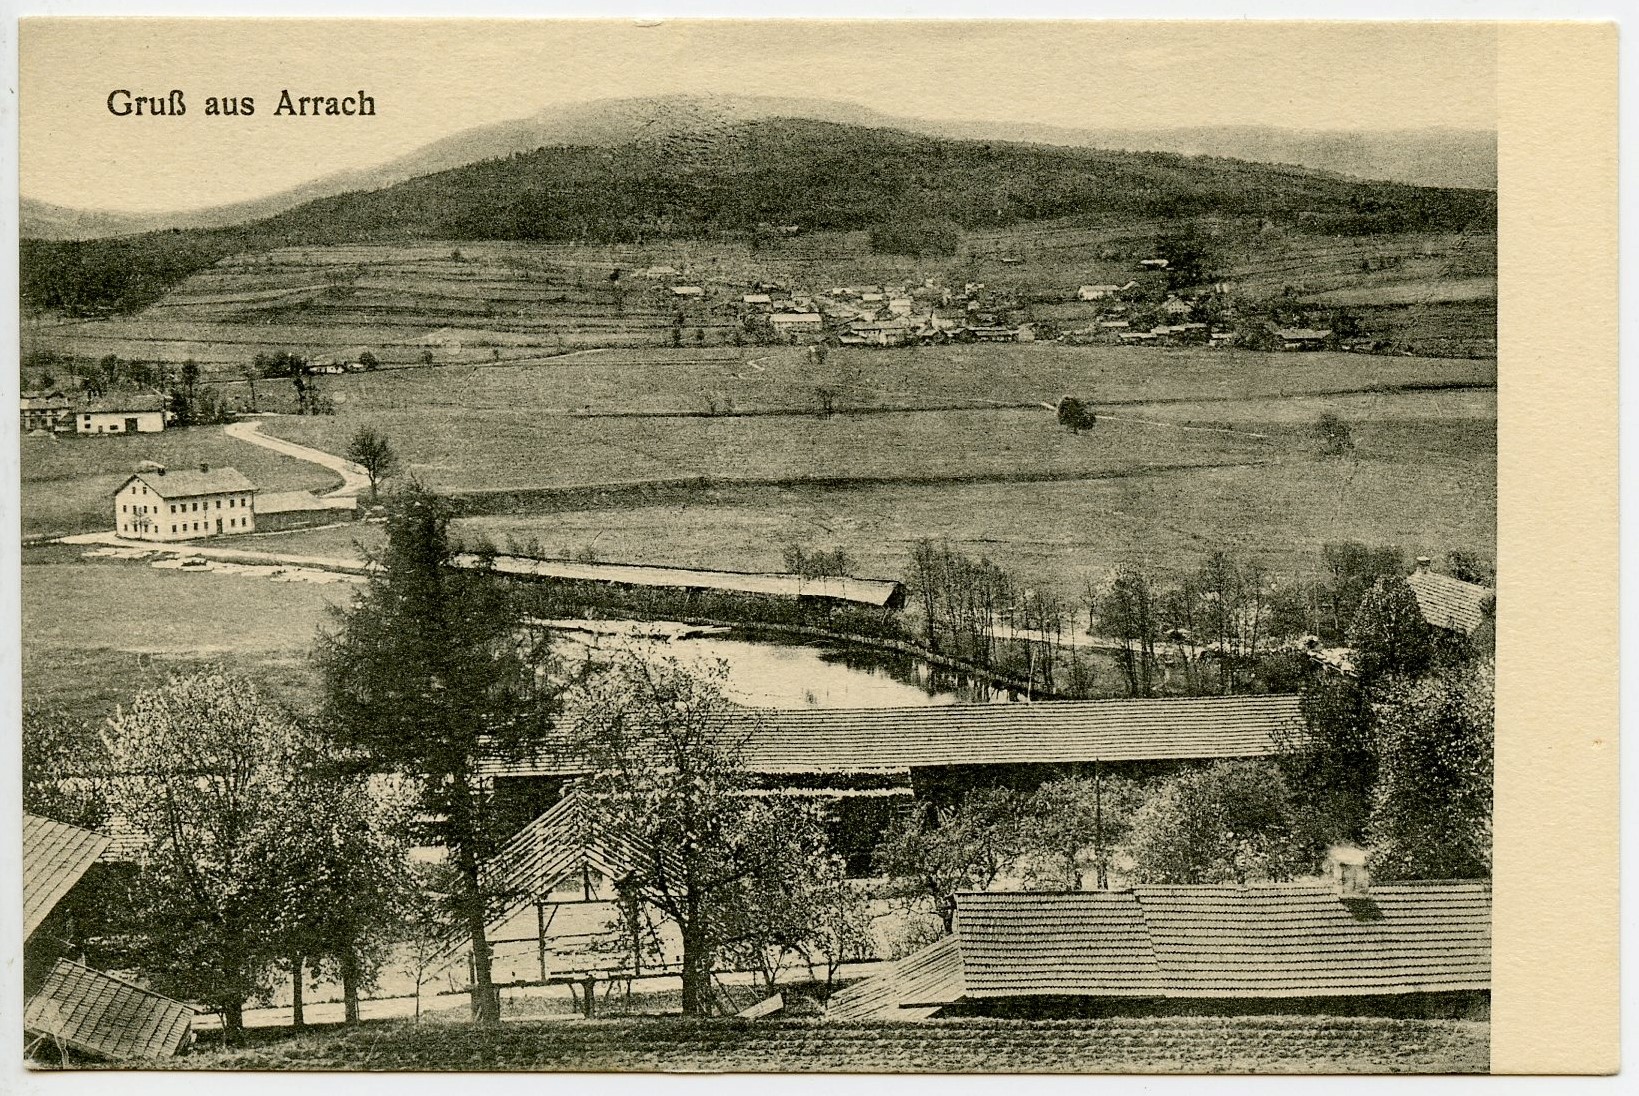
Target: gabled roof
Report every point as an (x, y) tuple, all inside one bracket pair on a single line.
[(120, 405), (1055, 732), (1295, 941), (1087, 942), (188, 482), (1450, 602), (98, 1014), (55, 856), (1301, 334), (1274, 940), (895, 740), (558, 845)]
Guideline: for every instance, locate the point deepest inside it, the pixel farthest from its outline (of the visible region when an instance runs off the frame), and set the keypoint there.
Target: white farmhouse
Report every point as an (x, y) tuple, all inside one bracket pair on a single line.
[(129, 415), (180, 505)]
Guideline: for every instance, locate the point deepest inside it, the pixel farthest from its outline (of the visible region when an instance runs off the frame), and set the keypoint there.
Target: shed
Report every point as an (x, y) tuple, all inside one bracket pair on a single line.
[(106, 1017)]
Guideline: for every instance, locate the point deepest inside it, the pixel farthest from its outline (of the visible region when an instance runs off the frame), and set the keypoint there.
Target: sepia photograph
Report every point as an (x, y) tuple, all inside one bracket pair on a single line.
[(783, 546)]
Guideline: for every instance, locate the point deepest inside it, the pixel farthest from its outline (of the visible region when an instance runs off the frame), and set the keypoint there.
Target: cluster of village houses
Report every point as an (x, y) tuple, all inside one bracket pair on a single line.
[(930, 313)]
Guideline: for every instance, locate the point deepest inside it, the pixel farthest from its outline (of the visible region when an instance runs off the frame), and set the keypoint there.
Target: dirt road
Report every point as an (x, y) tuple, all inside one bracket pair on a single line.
[(354, 480)]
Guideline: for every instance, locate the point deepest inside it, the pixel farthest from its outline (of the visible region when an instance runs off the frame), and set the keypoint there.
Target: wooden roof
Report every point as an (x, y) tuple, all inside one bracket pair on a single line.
[(55, 856), (1023, 943), (1449, 602), (1208, 941), (913, 988), (895, 740), (1057, 732), (868, 591), (1299, 941), (98, 1014), (1260, 940)]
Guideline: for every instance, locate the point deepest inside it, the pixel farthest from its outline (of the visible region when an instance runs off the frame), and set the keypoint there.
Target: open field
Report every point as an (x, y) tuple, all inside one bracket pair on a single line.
[(83, 658), (467, 450), (774, 379), (68, 482), (1428, 486), (1224, 458), (1161, 1045)]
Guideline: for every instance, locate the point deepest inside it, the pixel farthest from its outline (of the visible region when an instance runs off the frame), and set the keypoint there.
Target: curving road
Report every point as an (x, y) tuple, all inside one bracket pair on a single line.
[(354, 480)]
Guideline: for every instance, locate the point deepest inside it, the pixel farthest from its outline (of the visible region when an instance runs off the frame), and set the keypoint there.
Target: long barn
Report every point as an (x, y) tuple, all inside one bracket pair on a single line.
[(867, 759), (874, 592)]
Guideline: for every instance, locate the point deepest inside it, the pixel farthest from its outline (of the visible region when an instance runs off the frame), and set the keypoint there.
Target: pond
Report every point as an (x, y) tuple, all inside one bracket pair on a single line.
[(772, 672)]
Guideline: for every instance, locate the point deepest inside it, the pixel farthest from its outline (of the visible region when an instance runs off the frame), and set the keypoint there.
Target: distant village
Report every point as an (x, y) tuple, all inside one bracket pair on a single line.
[(1142, 311)]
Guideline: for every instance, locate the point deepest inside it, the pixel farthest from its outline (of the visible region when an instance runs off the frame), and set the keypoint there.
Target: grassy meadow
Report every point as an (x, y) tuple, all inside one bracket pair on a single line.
[(1222, 455), (82, 658)]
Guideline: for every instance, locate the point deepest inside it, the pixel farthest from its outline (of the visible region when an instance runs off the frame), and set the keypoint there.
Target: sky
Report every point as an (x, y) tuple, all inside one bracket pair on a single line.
[(432, 78)]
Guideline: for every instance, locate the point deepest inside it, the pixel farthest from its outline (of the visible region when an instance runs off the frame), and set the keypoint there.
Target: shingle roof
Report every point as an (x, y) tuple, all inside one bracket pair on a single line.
[(55, 855), (1056, 732), (118, 405), (913, 988), (557, 845), (1085, 943), (869, 591), (98, 1014), (1450, 602), (1296, 941), (1265, 940), (187, 482), (894, 740)]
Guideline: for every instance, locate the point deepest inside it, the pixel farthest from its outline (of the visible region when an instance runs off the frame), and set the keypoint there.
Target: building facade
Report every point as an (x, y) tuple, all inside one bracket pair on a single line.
[(182, 505), (51, 412), (133, 416)]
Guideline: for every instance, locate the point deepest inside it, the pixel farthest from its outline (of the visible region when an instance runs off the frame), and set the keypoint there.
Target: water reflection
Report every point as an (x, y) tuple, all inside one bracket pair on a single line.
[(776, 672)]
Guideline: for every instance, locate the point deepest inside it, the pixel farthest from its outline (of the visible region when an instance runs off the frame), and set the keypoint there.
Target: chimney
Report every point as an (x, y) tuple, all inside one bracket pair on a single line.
[(1346, 864), (1422, 564), (203, 467)]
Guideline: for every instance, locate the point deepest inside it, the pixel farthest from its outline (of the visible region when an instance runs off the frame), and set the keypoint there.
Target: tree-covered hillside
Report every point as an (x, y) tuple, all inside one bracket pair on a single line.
[(816, 175)]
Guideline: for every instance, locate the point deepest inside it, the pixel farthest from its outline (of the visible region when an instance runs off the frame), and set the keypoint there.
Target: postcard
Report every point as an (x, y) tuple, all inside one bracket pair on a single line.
[(817, 546)]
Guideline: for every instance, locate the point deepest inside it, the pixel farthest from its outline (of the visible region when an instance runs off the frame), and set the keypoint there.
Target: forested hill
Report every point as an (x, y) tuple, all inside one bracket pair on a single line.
[(726, 181), (821, 175)]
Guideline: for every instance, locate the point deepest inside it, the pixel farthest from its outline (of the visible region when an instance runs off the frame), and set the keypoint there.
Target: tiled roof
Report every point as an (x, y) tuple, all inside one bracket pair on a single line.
[(55, 855), (1296, 941), (98, 1014), (1302, 333), (1450, 602), (1276, 940), (187, 482), (1086, 943), (893, 740), (1265, 940), (869, 591)]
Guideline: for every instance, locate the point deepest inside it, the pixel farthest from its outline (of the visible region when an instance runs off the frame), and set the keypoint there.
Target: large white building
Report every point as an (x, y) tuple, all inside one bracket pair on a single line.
[(182, 504)]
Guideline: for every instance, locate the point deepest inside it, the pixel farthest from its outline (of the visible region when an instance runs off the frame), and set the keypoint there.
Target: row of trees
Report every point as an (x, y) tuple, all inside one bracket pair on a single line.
[(261, 851)]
